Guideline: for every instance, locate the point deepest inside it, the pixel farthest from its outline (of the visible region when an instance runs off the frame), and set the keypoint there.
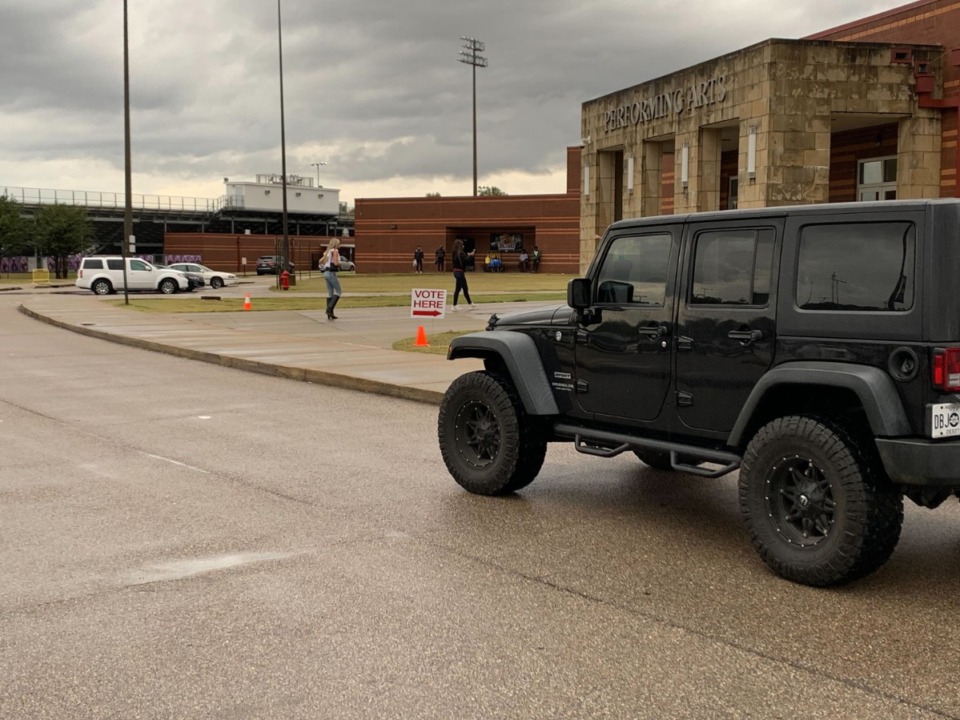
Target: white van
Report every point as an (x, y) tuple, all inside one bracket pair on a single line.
[(103, 274)]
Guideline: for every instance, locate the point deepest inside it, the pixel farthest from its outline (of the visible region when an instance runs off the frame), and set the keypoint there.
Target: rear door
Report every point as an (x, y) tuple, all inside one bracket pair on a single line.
[(726, 320), (623, 349)]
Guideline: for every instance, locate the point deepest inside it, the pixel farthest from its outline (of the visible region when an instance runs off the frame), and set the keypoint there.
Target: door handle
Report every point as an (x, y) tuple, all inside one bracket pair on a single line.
[(654, 331), (745, 336)]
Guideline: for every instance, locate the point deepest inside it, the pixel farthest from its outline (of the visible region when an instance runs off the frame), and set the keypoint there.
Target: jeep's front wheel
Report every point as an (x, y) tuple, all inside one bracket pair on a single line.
[(818, 511), (488, 442)]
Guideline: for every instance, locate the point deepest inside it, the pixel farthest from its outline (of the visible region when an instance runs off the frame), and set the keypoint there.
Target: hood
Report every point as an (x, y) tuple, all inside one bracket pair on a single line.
[(558, 315)]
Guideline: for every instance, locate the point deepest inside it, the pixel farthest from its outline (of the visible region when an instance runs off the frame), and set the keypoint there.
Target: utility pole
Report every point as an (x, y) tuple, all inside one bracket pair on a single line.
[(470, 55)]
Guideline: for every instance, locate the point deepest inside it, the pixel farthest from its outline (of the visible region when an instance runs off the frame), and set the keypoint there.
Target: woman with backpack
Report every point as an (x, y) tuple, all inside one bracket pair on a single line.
[(330, 265)]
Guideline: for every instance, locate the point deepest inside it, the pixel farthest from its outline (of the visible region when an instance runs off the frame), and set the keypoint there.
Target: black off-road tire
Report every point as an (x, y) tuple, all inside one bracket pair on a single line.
[(816, 503), (488, 442)]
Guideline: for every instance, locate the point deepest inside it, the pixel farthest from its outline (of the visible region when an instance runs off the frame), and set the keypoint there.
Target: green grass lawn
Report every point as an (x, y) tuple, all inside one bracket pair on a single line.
[(369, 291)]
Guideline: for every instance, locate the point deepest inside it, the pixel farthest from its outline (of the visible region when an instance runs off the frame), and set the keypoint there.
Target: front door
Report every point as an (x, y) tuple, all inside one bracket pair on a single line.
[(725, 324), (623, 349)]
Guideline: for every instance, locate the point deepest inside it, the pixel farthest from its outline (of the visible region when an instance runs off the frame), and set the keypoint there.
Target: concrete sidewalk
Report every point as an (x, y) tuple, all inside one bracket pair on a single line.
[(351, 352)]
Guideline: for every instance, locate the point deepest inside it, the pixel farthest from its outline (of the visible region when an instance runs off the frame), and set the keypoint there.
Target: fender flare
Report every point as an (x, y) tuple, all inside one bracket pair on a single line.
[(874, 388), (519, 353)]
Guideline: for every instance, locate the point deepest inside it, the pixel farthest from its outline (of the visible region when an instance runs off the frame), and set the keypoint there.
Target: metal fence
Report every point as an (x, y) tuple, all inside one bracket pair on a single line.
[(95, 199)]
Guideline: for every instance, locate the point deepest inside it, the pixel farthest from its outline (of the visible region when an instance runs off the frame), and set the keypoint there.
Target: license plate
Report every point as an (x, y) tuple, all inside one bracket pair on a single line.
[(944, 420)]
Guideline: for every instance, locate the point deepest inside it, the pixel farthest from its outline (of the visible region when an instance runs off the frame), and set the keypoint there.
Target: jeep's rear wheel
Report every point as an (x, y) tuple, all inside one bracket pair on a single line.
[(818, 511), (102, 287), (488, 442)]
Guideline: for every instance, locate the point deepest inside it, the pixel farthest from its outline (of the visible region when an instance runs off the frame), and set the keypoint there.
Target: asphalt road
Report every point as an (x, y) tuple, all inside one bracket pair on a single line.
[(180, 540)]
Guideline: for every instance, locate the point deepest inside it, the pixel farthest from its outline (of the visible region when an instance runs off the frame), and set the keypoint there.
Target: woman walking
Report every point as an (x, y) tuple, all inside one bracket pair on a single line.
[(460, 261), (330, 264)]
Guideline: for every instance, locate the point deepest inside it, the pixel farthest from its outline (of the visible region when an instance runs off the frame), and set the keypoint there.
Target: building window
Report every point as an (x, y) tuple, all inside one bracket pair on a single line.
[(877, 179), (732, 192)]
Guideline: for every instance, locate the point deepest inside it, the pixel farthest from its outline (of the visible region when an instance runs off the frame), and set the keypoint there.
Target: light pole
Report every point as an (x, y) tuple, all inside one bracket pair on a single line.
[(470, 54), (317, 166), (127, 182), (285, 248)]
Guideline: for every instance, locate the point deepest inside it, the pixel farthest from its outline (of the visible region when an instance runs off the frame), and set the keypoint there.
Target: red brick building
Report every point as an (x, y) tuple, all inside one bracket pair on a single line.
[(388, 230)]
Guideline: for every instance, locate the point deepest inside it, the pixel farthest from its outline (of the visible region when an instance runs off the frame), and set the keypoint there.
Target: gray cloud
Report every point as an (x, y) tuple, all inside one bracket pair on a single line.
[(373, 88)]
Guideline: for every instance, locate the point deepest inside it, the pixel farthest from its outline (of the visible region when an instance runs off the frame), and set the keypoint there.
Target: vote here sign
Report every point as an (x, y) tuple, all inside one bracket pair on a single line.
[(428, 303)]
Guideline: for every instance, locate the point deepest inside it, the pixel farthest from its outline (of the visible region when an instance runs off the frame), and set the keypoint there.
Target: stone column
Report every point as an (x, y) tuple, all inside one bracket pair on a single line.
[(918, 156)]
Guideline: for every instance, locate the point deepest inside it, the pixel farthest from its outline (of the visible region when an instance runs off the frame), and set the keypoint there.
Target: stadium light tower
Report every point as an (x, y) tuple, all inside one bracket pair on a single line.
[(317, 166), (470, 54)]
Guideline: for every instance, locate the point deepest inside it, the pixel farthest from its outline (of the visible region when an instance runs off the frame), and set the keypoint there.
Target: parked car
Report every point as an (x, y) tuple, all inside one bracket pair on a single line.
[(195, 279), (214, 278), (815, 348), (345, 264), (103, 275), (269, 264)]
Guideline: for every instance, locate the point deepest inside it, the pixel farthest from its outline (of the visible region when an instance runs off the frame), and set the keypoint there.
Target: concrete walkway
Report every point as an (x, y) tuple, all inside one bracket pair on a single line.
[(353, 351)]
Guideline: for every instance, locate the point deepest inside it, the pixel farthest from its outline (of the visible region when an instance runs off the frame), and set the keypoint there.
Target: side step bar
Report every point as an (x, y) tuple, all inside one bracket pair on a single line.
[(608, 444)]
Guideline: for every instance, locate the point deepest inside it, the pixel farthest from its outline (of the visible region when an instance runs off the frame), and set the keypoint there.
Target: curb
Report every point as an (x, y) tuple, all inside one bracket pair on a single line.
[(317, 377)]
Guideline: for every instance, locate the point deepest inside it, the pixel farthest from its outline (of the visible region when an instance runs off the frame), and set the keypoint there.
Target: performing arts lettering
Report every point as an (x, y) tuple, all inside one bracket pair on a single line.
[(674, 102)]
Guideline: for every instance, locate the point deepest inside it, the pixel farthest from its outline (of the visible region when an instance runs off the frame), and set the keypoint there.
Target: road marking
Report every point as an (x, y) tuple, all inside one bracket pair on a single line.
[(176, 462)]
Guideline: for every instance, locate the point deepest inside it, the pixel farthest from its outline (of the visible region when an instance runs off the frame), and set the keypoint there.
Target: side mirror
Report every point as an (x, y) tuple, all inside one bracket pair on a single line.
[(578, 294)]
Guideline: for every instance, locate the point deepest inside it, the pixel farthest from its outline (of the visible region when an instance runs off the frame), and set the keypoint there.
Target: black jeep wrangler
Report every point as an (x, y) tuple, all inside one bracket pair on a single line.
[(814, 348)]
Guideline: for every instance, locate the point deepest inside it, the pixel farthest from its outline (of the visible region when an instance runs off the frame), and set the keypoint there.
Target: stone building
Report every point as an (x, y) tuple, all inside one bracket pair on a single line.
[(867, 111)]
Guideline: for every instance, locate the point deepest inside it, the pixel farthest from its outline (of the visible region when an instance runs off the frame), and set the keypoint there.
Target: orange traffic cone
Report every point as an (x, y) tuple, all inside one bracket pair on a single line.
[(421, 338), (246, 303)]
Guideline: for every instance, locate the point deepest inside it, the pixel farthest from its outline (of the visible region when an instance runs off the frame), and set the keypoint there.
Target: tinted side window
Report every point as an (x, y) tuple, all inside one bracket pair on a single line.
[(635, 270), (93, 264), (115, 263), (732, 267), (857, 267)]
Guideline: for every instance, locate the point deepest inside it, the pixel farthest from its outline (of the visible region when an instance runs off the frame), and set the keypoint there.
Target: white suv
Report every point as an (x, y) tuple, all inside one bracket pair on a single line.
[(103, 274)]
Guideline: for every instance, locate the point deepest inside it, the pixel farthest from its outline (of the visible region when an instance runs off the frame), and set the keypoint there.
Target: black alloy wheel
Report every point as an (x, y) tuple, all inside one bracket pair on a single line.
[(816, 503), (488, 442)]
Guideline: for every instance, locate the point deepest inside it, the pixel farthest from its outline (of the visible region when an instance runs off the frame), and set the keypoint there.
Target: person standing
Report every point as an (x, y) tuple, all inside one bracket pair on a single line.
[(441, 259), (536, 258), (460, 261), (330, 264), (418, 260)]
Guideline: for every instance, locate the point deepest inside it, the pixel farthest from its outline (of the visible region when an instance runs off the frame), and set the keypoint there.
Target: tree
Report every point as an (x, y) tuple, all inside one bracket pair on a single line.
[(433, 195), (61, 231), (13, 228), (490, 191)]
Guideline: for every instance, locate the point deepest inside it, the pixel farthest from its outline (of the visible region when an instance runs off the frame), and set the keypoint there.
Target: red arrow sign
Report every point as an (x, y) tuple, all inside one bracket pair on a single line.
[(431, 313)]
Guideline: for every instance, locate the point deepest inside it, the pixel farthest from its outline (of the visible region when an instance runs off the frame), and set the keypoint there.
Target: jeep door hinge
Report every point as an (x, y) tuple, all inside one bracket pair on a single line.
[(684, 399)]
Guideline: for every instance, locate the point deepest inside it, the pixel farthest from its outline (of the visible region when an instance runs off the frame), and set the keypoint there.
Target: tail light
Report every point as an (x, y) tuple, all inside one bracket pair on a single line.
[(946, 369)]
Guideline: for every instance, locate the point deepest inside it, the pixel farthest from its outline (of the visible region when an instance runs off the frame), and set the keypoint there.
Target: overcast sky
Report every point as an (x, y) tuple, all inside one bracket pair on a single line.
[(371, 87)]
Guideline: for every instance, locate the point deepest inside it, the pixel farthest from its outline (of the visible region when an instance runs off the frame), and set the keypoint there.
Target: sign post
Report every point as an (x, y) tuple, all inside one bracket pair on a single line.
[(428, 303)]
